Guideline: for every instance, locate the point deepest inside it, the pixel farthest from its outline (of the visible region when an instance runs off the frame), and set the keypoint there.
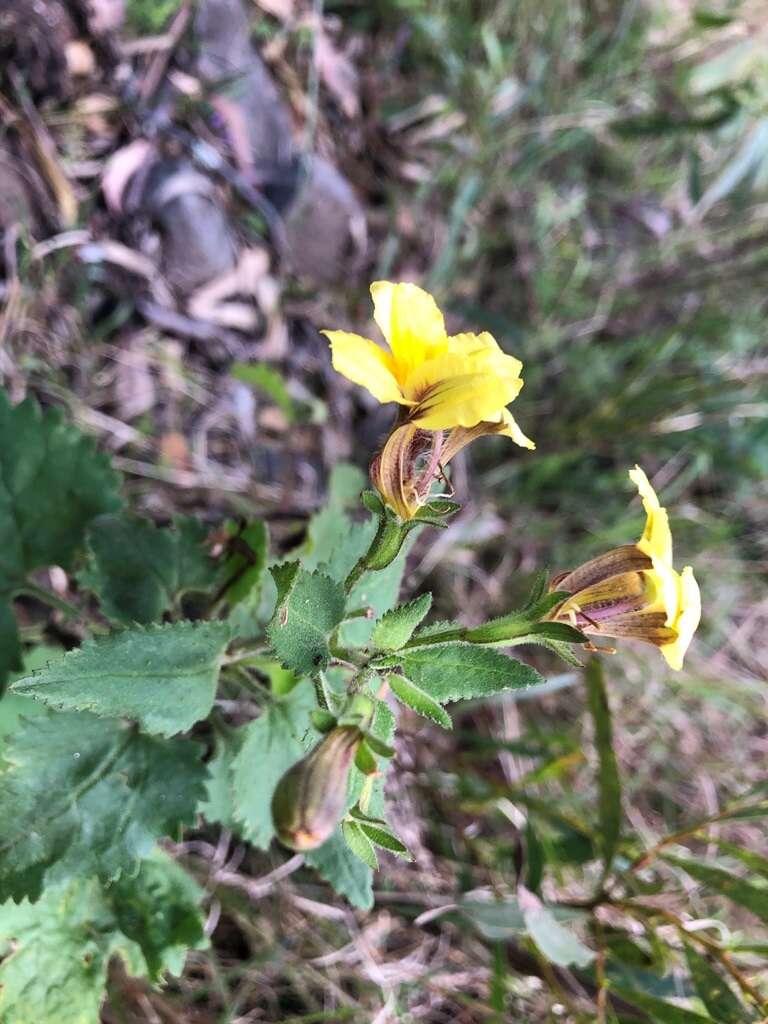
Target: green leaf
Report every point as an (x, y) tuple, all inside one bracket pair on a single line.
[(753, 897), (750, 858), (309, 607), (81, 795), (384, 837), (365, 762), (659, 1011), (458, 671), (271, 744), (502, 919), (343, 871), (414, 697), (559, 945), (609, 783), (164, 677), (219, 802), (722, 1005), (245, 567), (57, 969), (159, 910), (52, 484), (395, 628), (335, 543), (138, 570), (359, 844), (12, 706)]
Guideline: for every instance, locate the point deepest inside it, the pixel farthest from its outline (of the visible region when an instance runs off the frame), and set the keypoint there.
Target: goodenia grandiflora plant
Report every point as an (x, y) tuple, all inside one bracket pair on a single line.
[(221, 683)]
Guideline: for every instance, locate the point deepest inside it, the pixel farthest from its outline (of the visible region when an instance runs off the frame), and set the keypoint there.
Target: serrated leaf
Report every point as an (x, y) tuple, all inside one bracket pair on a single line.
[(722, 1005), (81, 795), (559, 945), (309, 607), (218, 804), (245, 567), (659, 1011), (335, 543), (343, 871), (419, 701), (359, 844), (272, 743), (395, 628), (164, 677), (385, 838), (741, 891), (53, 482), (159, 909), (139, 570), (608, 780), (459, 671), (62, 945)]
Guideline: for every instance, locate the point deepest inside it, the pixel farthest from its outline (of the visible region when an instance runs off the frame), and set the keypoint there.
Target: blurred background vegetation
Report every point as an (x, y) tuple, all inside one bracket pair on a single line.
[(588, 181)]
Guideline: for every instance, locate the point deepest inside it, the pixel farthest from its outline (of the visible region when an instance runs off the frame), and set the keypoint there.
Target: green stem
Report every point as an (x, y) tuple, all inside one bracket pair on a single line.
[(458, 633), (321, 692), (384, 548), (70, 611)]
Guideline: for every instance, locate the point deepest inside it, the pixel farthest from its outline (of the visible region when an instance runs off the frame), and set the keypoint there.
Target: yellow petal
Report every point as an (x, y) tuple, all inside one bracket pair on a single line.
[(668, 589), (656, 541), (410, 321), (687, 622), (511, 429), (450, 394), (366, 363), (485, 347)]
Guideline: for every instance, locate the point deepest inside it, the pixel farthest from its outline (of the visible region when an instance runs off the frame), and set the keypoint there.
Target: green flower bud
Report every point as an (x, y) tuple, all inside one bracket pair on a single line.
[(311, 797)]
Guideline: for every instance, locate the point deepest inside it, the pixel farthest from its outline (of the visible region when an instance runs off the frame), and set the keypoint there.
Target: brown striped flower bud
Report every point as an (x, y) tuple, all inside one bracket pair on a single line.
[(310, 799)]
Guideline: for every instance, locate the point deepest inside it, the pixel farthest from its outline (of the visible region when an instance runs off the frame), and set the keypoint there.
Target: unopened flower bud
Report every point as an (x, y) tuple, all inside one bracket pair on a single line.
[(310, 799)]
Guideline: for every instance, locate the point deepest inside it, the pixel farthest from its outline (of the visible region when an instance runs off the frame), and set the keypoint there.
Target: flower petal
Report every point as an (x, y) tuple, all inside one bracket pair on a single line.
[(687, 622), (657, 537), (485, 347), (366, 363), (410, 321), (455, 391)]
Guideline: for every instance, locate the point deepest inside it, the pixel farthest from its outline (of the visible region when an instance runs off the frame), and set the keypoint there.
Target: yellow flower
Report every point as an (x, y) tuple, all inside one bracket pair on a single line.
[(634, 590), (443, 382)]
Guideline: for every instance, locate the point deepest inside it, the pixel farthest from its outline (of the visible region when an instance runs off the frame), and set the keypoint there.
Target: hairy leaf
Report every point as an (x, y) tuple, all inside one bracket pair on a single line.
[(609, 783), (335, 543), (395, 628), (359, 843), (270, 745), (139, 570), (81, 795), (164, 677), (57, 969), (458, 671), (219, 803), (420, 701), (52, 484), (343, 871), (309, 607)]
